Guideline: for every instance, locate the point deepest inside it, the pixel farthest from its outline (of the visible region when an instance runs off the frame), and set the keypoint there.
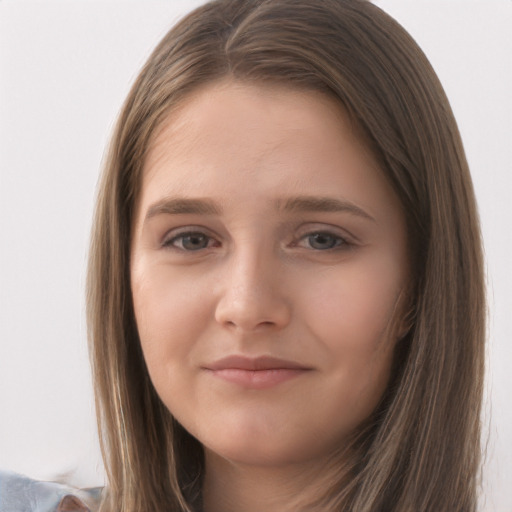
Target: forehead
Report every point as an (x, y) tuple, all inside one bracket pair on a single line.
[(230, 123)]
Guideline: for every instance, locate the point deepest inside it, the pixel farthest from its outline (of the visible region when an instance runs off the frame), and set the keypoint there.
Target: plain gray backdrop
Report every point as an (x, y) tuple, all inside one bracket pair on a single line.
[(65, 68)]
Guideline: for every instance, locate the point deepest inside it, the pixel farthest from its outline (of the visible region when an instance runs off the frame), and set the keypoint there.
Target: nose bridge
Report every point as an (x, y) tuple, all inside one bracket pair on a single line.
[(252, 295)]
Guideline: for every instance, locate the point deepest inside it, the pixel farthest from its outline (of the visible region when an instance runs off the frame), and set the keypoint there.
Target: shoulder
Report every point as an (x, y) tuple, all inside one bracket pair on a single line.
[(21, 494)]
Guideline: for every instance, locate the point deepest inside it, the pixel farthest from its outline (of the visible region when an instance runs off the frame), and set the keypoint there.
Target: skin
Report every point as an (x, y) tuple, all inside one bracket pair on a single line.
[(316, 287)]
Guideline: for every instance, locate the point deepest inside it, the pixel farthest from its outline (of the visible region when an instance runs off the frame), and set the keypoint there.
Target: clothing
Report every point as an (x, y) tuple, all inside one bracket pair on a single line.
[(21, 494)]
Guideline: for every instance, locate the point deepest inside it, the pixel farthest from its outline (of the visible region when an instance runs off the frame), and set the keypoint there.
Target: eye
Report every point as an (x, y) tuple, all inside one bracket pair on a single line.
[(189, 241), (323, 241)]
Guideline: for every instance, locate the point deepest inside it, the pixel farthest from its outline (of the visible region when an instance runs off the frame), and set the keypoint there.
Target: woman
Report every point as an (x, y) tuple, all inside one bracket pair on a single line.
[(286, 299)]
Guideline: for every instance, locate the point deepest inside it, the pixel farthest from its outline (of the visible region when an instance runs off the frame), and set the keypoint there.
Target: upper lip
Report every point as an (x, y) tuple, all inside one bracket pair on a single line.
[(254, 363)]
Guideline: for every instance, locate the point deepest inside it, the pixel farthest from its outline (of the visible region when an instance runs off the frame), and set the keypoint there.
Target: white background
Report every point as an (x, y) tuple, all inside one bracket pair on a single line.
[(65, 68)]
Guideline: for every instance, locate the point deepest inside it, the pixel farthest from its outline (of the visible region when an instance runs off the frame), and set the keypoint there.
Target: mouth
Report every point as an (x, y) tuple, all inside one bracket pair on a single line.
[(256, 373)]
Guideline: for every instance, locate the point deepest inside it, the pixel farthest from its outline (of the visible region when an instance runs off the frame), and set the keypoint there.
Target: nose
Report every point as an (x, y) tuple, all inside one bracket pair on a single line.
[(253, 294)]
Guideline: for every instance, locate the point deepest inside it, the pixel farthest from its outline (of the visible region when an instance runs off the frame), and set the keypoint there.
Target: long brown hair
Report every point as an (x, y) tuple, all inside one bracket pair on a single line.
[(421, 450)]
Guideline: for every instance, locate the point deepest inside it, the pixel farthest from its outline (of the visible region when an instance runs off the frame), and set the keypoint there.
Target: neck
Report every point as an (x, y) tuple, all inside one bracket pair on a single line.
[(234, 487)]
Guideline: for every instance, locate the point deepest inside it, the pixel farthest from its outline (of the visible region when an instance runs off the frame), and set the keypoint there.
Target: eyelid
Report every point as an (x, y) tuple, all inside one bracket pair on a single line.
[(328, 229), (341, 243), (175, 233)]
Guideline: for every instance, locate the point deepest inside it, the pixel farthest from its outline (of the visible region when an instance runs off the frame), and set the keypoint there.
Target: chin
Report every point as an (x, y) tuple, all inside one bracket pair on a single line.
[(267, 447)]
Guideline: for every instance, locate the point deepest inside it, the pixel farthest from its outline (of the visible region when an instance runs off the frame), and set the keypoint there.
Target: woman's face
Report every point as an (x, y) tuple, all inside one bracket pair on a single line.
[(268, 264)]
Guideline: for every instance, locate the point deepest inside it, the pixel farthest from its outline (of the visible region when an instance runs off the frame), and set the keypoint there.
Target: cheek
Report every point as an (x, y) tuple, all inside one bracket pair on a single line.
[(169, 318), (351, 312), (358, 300)]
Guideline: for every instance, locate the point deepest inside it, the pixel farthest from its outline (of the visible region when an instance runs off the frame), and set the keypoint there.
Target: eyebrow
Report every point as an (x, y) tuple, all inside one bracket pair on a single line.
[(180, 205), (323, 204), (183, 206)]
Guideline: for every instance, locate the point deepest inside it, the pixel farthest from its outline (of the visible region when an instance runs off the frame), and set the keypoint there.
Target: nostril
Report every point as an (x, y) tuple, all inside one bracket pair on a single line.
[(249, 326)]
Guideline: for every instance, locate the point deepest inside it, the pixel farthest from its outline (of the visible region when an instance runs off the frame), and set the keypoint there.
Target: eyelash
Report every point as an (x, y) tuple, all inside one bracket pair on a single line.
[(339, 242), (170, 242)]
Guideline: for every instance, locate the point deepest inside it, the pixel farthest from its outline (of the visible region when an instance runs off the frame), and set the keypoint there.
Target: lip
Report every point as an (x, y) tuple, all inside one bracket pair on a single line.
[(254, 364), (256, 373)]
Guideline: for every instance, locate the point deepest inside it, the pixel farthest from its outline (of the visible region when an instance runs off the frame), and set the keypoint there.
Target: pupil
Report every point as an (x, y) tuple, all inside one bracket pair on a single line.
[(194, 242), (322, 241)]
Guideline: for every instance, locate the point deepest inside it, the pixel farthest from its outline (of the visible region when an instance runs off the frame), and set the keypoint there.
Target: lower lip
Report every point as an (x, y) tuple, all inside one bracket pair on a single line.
[(258, 379)]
